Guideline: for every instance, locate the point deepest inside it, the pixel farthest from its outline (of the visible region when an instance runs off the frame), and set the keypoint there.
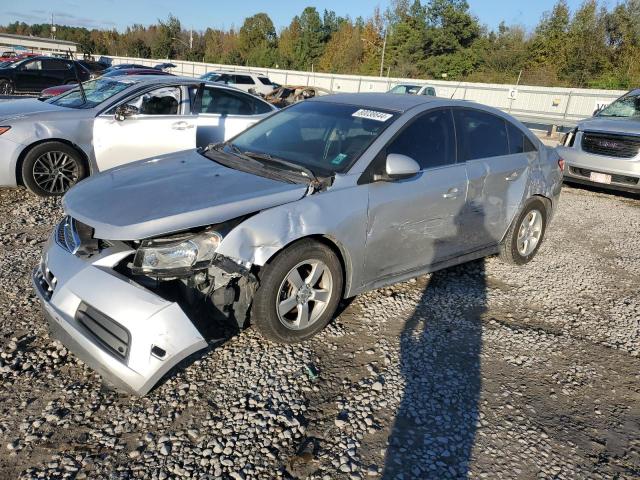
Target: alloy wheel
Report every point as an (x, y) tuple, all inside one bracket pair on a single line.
[(55, 172), (304, 294), (529, 233), (5, 88)]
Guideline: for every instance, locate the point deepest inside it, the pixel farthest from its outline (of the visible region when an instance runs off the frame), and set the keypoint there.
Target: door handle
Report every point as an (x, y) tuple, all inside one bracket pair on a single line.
[(181, 125), (451, 193), (512, 176)]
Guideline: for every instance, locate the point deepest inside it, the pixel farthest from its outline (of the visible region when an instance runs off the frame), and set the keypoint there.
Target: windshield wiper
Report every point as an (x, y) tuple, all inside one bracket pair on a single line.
[(278, 161)]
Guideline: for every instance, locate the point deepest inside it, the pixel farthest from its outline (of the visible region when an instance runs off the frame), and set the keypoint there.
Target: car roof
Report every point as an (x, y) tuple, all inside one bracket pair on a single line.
[(238, 72), (383, 101)]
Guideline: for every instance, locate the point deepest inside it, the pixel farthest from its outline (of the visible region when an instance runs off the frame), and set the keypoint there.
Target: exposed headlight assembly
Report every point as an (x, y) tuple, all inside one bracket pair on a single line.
[(174, 257)]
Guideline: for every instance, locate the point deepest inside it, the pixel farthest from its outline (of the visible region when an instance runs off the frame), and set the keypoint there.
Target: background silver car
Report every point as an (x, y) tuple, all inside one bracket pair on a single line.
[(324, 200), (49, 146), (605, 149)]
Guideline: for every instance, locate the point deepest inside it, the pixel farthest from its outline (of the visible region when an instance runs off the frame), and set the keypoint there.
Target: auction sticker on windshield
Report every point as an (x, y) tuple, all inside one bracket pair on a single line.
[(372, 115)]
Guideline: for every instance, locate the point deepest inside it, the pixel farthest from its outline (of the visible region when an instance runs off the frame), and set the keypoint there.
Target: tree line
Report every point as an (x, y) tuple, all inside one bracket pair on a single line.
[(593, 46)]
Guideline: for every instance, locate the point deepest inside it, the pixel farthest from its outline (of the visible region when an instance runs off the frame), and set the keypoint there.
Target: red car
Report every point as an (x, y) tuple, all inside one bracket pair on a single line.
[(60, 89), (13, 56)]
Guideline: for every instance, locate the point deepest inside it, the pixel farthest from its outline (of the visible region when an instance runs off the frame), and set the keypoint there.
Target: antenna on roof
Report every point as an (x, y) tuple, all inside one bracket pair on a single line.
[(75, 71), (456, 89)]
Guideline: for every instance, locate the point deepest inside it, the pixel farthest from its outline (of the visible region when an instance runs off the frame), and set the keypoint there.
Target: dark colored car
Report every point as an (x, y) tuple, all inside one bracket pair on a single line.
[(135, 71), (37, 73), (96, 68), (60, 89), (164, 66), (15, 56), (124, 66)]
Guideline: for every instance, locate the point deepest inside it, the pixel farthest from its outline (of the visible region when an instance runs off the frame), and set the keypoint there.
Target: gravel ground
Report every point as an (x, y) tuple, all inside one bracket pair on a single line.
[(480, 371)]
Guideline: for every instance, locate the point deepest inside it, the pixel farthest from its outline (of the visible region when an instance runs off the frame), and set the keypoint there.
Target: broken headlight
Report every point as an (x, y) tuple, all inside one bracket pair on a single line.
[(173, 257)]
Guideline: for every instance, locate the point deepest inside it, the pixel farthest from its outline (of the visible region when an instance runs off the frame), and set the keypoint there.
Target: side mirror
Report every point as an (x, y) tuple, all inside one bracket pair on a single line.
[(125, 111), (398, 167)]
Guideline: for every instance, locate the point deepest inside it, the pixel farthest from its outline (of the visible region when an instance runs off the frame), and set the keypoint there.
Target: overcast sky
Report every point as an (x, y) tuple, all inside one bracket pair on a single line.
[(200, 14)]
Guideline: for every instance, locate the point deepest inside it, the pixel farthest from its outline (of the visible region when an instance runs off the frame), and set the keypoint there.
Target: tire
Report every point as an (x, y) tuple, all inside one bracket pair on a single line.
[(6, 87), (532, 224), (270, 312), (52, 168)]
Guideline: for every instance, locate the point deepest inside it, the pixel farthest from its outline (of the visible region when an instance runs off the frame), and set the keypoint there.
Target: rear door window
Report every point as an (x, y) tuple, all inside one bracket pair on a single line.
[(33, 66), (480, 134), (244, 80), (429, 140), (55, 65), (221, 102)]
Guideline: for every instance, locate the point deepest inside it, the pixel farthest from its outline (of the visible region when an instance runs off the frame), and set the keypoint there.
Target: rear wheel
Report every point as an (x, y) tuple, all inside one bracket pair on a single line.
[(526, 233), (6, 87), (299, 292), (52, 168)]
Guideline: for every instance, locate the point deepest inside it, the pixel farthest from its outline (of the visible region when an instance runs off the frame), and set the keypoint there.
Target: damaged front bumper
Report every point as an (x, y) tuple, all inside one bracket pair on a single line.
[(127, 333)]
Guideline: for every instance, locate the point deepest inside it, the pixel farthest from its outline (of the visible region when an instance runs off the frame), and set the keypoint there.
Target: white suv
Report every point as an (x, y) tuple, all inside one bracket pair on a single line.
[(247, 81)]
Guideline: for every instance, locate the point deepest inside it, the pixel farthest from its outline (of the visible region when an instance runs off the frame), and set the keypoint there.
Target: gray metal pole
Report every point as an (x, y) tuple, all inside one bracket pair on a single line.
[(384, 48)]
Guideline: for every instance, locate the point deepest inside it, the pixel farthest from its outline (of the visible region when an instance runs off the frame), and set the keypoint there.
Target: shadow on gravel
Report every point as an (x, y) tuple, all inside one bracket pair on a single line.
[(440, 345)]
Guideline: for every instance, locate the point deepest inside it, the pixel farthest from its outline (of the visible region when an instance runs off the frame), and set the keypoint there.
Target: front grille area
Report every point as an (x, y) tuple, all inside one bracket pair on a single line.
[(111, 335), (46, 281), (620, 179), (67, 235), (619, 146)]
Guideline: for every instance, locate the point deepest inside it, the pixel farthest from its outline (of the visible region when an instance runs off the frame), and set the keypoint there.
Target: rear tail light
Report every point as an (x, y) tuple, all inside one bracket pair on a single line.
[(561, 164), (4, 130)]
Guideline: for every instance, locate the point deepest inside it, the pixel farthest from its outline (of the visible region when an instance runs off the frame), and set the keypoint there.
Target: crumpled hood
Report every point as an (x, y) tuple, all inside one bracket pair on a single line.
[(611, 124), (171, 193), (14, 109)]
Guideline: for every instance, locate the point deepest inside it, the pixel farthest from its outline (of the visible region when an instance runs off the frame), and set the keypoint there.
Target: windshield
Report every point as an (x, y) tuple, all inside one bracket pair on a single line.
[(405, 89), (210, 76), (17, 63), (96, 91), (325, 138), (626, 106)]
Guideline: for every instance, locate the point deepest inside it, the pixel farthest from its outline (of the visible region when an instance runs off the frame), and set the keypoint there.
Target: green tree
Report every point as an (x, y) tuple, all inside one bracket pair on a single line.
[(586, 56), (288, 45), (407, 40), (164, 45), (344, 52), (257, 41), (311, 43)]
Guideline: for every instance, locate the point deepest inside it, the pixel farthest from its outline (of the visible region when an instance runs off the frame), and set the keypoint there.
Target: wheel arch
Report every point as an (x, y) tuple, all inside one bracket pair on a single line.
[(548, 207), (28, 148), (338, 249)]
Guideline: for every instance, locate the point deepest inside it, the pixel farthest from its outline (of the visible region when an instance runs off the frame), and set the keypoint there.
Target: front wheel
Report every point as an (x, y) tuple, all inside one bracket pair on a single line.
[(526, 233), (6, 87), (52, 168), (299, 292)]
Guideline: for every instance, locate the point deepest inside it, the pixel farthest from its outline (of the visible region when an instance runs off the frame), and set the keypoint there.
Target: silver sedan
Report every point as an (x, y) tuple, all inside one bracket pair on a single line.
[(324, 200), (49, 146)]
